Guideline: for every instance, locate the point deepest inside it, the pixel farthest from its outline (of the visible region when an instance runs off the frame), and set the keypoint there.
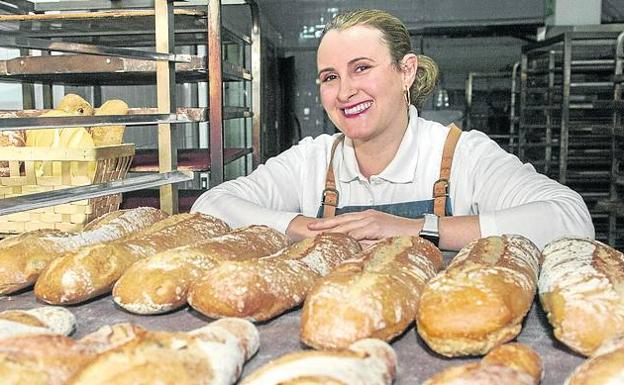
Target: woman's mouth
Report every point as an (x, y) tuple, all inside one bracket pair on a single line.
[(357, 110)]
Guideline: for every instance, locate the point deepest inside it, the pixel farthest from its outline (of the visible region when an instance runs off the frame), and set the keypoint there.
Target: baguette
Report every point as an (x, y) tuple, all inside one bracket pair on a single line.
[(109, 135), (41, 320), (506, 364), (23, 257), (605, 367), (109, 337), (160, 283), (365, 362), (261, 289), (212, 355), (480, 300), (374, 296), (40, 359), (92, 271), (581, 288)]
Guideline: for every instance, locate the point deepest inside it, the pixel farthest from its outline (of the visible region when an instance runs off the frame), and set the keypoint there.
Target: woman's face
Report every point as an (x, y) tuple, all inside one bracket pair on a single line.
[(361, 90)]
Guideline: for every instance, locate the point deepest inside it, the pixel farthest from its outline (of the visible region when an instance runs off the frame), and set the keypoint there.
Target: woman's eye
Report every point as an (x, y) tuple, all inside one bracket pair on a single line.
[(328, 78), (361, 68)]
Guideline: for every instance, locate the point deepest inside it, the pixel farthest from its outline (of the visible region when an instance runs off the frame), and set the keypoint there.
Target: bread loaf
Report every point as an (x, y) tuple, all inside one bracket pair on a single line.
[(514, 363), (365, 362), (605, 367), (10, 139), (160, 283), (40, 359), (480, 300), (260, 289), (111, 336), (41, 320), (109, 135), (212, 355), (581, 288), (374, 296), (23, 257), (93, 270)]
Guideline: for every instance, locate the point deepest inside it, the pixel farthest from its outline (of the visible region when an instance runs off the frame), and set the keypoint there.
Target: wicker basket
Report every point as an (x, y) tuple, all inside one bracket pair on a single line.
[(72, 167)]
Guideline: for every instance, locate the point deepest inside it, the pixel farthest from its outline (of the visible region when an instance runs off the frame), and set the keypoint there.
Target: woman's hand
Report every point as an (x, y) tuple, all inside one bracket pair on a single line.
[(298, 228), (366, 225)]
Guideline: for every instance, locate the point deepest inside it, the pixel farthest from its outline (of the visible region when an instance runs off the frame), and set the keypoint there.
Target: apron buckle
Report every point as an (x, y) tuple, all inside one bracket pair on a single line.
[(330, 197), (441, 188)]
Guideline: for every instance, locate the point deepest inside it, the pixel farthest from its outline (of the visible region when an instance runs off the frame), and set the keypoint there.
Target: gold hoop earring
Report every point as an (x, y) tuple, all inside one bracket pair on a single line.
[(408, 97)]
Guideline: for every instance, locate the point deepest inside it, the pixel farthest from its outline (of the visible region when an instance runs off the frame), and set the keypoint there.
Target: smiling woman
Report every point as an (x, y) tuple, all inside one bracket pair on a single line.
[(390, 172)]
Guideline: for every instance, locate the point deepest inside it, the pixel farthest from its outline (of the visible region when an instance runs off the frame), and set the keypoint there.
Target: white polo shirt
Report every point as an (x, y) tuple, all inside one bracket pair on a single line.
[(509, 197)]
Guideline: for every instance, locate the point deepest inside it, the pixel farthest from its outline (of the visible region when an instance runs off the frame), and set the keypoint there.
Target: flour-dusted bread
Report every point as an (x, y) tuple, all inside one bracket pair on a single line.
[(260, 289), (160, 283), (111, 336), (44, 359), (375, 295), (23, 257), (41, 320), (604, 367), (365, 362), (94, 270), (513, 363), (581, 288), (480, 300), (212, 355)]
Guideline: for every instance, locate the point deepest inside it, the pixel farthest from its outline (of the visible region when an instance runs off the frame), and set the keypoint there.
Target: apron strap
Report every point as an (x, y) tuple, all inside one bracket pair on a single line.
[(441, 186), (330, 194)]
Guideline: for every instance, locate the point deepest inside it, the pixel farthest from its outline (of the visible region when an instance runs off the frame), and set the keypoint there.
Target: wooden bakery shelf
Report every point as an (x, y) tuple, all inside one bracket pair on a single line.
[(280, 336), (195, 160), (80, 70)]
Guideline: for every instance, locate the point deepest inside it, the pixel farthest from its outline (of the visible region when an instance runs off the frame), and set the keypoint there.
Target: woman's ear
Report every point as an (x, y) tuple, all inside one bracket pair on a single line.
[(409, 65)]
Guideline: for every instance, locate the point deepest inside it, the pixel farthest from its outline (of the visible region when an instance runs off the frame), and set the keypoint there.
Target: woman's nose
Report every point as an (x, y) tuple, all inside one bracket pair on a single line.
[(347, 90)]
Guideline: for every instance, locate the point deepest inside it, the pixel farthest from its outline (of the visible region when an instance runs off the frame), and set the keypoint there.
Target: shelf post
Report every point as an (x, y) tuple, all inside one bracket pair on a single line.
[(256, 86), (215, 89), (165, 91)]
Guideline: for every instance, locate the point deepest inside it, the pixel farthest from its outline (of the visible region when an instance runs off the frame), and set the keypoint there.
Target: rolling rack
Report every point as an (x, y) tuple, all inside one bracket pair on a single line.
[(614, 205), (566, 119), (104, 43)]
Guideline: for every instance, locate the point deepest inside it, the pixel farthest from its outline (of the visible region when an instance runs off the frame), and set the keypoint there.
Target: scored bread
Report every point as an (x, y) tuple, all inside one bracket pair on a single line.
[(365, 362), (512, 363), (581, 288), (41, 320), (480, 300), (160, 283), (605, 367), (93, 270), (376, 295), (23, 257), (211, 355), (260, 289)]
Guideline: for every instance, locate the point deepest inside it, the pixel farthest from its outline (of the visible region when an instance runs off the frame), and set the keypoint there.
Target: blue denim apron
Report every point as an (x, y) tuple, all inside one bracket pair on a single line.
[(414, 209)]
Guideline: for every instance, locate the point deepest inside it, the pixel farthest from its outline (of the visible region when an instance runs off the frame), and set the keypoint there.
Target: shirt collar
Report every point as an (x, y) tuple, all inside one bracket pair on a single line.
[(402, 167)]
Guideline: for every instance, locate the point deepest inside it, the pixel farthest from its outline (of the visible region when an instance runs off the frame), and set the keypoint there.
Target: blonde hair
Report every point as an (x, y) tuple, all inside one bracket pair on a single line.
[(396, 36)]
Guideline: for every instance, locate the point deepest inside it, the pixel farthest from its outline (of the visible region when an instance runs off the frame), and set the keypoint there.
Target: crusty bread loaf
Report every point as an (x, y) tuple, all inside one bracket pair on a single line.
[(41, 320), (40, 359), (23, 257), (94, 270), (605, 367), (260, 289), (513, 363), (160, 283), (111, 336), (480, 300), (374, 296), (109, 135), (581, 287), (212, 355), (365, 362)]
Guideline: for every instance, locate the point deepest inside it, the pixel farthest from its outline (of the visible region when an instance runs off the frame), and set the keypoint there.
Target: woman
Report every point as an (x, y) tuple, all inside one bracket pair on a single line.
[(386, 170)]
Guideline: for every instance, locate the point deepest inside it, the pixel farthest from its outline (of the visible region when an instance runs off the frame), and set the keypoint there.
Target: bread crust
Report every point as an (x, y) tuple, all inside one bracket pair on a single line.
[(263, 288), (376, 295), (581, 288), (480, 300), (605, 367), (160, 283), (366, 362), (506, 364), (40, 320), (93, 270), (23, 257)]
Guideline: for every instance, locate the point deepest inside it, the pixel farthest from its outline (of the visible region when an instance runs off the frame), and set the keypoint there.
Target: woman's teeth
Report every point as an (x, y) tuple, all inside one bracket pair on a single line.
[(357, 109)]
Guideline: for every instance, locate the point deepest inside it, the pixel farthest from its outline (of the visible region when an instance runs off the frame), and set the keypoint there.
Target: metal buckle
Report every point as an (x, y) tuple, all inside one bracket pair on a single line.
[(446, 188), (327, 191)]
